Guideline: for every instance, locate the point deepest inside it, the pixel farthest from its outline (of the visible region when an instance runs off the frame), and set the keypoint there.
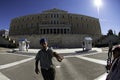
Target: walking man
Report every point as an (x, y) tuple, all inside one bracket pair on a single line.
[(110, 49), (45, 56), (109, 60)]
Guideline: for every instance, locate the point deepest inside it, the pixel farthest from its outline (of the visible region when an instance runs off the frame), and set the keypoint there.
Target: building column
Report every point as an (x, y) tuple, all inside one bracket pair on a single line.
[(65, 31), (42, 31), (60, 31)]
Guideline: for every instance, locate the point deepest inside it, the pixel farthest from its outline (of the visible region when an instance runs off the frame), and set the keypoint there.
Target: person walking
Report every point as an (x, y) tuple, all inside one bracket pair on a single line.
[(44, 56), (27, 46), (110, 50), (114, 73), (109, 59), (83, 45)]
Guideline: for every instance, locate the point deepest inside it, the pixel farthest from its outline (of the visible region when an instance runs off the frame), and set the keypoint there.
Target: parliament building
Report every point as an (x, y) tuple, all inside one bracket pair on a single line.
[(61, 28)]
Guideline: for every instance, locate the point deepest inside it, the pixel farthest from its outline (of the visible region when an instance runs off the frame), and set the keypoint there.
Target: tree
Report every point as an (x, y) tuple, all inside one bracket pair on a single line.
[(119, 34), (110, 32)]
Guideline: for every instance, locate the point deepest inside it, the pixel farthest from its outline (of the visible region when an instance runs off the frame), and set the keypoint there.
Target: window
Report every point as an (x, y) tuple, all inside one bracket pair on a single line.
[(38, 17), (54, 15), (63, 16), (76, 17), (64, 31), (77, 25), (26, 25), (27, 18), (57, 15), (81, 18), (31, 24), (54, 31), (58, 31), (32, 18), (50, 31), (37, 24), (61, 31), (67, 30), (51, 22), (54, 22), (51, 15), (47, 31), (45, 16), (43, 31), (57, 22)]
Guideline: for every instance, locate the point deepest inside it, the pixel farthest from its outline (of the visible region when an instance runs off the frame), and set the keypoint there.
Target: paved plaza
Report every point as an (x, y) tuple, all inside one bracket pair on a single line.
[(77, 65)]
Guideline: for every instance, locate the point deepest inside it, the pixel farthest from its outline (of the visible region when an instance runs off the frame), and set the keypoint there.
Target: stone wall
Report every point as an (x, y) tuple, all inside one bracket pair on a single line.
[(58, 41), (3, 41)]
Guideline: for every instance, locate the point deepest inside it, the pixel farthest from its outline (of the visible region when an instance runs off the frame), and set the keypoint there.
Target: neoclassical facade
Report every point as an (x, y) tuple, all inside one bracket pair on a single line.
[(55, 21)]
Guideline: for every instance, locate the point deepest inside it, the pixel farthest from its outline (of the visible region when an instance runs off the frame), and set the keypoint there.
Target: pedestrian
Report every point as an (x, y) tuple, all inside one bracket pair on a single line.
[(110, 49), (27, 46), (44, 56), (109, 61), (83, 45), (114, 73)]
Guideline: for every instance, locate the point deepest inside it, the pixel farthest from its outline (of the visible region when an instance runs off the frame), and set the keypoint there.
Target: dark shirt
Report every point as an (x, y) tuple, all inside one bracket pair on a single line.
[(45, 58)]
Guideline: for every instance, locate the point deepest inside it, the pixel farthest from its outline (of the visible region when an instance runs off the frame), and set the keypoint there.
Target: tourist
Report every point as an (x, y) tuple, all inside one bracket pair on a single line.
[(45, 56), (27, 46), (109, 60), (110, 50), (83, 45)]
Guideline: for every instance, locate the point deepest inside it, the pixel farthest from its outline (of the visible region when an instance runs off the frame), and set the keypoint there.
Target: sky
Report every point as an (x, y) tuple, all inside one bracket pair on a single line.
[(108, 12)]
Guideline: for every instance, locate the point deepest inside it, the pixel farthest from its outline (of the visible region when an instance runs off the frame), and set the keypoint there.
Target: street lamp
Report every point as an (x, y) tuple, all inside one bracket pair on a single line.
[(98, 3)]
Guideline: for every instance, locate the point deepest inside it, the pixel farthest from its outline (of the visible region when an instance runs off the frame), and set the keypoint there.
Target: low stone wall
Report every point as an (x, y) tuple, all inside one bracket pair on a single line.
[(3, 41), (56, 41)]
